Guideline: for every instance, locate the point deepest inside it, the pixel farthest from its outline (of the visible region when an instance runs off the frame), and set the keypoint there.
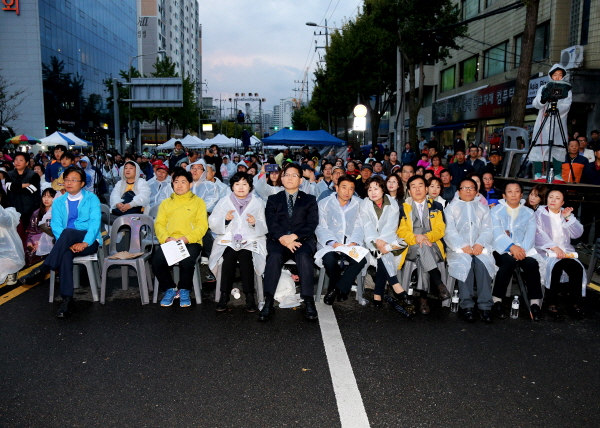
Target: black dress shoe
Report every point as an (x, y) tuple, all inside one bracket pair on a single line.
[(35, 276), (332, 293), (377, 303), (498, 311), (250, 303), (342, 297), (576, 313), (444, 293), (268, 310), (222, 304), (536, 312), (66, 308), (486, 316), (469, 315), (553, 312), (311, 310)]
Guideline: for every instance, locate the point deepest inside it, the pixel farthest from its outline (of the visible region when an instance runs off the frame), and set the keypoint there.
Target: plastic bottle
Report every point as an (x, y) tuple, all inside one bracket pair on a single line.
[(514, 310), (236, 293), (454, 302), (551, 175)]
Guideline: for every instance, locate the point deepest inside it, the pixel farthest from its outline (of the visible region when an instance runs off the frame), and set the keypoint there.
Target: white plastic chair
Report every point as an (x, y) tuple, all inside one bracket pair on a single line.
[(324, 282), (92, 266), (197, 281)]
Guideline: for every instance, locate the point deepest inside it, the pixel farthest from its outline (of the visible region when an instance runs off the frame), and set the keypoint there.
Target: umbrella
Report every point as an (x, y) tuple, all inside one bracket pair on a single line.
[(22, 139)]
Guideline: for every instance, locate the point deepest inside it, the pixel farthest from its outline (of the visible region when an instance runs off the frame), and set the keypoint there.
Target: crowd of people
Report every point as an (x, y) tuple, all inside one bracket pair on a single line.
[(429, 224)]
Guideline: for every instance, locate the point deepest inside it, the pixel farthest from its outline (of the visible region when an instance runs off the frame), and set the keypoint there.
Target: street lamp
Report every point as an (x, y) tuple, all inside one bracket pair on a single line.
[(131, 58)]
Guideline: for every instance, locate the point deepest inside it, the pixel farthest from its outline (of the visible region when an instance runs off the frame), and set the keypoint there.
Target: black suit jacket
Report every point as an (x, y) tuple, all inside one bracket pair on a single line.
[(303, 223)]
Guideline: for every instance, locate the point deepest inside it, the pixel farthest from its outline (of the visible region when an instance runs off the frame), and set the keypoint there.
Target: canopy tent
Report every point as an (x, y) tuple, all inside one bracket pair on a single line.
[(168, 145), (310, 138), (220, 140), (255, 140), (78, 141), (66, 139), (192, 142)]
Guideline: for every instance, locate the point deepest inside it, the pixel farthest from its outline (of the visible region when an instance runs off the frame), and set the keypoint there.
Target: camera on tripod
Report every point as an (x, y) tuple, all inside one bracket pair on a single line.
[(555, 91)]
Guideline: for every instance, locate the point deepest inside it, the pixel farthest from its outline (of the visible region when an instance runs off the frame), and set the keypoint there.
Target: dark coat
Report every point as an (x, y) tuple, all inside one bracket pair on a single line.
[(303, 222), (25, 199)]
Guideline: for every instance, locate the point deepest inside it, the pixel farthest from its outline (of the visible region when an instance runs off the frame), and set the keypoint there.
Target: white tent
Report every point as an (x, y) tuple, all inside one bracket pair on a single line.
[(66, 139), (168, 145), (193, 142), (78, 141), (254, 140)]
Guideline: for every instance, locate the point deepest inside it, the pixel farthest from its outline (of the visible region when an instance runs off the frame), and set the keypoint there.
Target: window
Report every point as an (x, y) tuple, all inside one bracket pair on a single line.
[(542, 42), (495, 60), (518, 47), (585, 22), (469, 71), (470, 8), (448, 79)]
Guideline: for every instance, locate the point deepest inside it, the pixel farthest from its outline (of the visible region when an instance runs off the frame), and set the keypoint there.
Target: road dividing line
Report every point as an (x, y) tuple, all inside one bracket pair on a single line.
[(350, 404), (14, 293)]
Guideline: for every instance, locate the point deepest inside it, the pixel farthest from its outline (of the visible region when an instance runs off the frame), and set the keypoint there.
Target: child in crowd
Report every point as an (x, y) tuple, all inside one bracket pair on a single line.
[(39, 225), (424, 162)]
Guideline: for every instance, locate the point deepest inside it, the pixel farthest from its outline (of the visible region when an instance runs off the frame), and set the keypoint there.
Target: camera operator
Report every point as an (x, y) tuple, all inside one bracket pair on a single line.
[(543, 101)]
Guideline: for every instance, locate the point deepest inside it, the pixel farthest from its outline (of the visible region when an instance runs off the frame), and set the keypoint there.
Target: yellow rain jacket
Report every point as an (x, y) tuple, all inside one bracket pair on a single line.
[(181, 215), (438, 228)]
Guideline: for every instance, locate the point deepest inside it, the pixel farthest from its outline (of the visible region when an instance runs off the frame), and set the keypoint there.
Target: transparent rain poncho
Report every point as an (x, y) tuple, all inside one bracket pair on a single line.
[(337, 224), (140, 188), (12, 256), (160, 190), (383, 228), (264, 189), (467, 224), (547, 237), (255, 236), (207, 190)]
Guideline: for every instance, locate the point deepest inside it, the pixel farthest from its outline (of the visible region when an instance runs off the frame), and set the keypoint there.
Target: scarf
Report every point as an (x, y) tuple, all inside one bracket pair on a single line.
[(240, 204)]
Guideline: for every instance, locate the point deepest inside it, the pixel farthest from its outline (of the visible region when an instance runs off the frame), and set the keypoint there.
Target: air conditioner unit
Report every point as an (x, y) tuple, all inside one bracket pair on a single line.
[(571, 57)]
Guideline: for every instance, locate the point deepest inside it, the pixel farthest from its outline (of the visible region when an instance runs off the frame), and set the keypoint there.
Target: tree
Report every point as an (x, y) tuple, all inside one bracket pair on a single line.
[(407, 20), (10, 100), (519, 99), (306, 118)]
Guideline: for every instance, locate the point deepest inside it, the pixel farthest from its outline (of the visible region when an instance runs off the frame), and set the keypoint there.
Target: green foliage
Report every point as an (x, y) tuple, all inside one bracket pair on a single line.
[(306, 119)]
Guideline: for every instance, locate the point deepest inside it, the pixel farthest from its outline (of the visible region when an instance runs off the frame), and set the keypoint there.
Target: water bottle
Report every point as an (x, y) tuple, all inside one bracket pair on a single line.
[(454, 302), (236, 293), (514, 310), (551, 175), (410, 290)]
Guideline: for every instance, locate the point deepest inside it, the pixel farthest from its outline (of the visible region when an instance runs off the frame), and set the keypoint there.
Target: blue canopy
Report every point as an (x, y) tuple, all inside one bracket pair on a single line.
[(310, 138)]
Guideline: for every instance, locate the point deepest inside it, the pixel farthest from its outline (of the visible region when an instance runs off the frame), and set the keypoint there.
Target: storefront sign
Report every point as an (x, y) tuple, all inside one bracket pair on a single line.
[(11, 6), (493, 101), (534, 85)]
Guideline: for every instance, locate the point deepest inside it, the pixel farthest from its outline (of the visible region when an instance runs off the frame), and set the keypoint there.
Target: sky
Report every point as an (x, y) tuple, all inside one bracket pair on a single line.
[(263, 46)]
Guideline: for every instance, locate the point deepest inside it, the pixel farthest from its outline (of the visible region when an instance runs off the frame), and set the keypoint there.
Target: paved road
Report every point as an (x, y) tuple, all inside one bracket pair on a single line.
[(128, 365)]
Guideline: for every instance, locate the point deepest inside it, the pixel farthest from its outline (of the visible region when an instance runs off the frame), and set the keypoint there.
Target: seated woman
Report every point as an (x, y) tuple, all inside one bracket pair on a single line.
[(241, 228), (267, 183), (392, 184), (76, 219), (436, 165), (182, 216), (556, 226), (39, 226), (379, 215), (434, 189), (131, 194), (537, 197), (489, 191)]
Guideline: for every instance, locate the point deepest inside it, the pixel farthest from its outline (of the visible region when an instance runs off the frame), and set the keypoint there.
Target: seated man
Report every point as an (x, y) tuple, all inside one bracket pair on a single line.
[(131, 194), (182, 216), (469, 236), (572, 167), (336, 173), (514, 247), (333, 232), (292, 217), (422, 228), (160, 184), (75, 223)]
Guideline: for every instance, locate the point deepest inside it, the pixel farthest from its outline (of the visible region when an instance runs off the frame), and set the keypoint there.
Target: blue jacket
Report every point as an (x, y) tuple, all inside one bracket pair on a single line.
[(408, 157), (53, 171), (89, 217)]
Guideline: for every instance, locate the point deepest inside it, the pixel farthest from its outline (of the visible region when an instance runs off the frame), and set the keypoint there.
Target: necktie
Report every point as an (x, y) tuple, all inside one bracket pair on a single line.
[(421, 212), (290, 205)]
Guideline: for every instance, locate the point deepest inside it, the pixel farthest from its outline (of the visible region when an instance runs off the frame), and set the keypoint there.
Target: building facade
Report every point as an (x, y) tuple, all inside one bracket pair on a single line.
[(471, 93), (61, 54)]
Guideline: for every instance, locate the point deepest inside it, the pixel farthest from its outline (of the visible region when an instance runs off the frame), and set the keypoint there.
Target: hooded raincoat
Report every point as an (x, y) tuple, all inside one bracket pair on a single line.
[(140, 188), (12, 256), (467, 224), (207, 190), (383, 228), (338, 224), (539, 153), (159, 190), (254, 235), (547, 237), (90, 174)]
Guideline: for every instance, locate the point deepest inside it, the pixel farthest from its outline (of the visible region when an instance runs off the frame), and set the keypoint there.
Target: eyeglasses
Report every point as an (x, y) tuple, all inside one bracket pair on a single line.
[(69, 180), (197, 168), (467, 189), (291, 175)]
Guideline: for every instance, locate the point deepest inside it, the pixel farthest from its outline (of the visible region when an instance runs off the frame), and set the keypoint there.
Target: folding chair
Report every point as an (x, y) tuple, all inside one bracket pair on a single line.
[(197, 281), (91, 264), (141, 264), (258, 285), (324, 282)]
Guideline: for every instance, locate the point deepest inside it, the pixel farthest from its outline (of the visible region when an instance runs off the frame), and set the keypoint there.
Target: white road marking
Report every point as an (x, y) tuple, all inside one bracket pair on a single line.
[(349, 401)]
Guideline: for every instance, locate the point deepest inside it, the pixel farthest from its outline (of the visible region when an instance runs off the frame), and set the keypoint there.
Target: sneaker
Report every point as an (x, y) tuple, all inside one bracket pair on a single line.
[(169, 296), (11, 279), (184, 298)]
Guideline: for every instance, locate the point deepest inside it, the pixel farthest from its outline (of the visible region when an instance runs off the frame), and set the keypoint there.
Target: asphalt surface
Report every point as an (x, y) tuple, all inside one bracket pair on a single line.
[(127, 365)]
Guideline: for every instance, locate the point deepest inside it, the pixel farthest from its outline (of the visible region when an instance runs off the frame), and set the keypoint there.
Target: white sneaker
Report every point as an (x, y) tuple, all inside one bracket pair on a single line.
[(11, 279)]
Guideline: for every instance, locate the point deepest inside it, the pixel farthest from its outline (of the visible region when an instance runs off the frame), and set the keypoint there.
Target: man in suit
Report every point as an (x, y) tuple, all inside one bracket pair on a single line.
[(477, 164), (459, 143), (292, 217)]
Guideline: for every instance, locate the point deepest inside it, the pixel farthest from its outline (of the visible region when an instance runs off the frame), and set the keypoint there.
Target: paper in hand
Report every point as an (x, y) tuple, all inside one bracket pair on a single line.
[(174, 251)]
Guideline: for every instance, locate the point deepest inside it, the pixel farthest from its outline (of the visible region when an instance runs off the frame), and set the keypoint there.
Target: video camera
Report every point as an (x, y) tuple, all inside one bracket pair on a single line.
[(557, 90)]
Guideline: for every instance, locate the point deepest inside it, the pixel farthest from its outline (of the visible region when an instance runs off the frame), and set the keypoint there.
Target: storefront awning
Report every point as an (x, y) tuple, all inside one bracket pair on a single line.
[(448, 126)]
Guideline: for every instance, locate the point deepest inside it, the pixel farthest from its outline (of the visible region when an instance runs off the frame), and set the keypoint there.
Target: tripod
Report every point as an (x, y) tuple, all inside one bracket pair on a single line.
[(554, 115)]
